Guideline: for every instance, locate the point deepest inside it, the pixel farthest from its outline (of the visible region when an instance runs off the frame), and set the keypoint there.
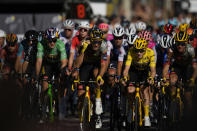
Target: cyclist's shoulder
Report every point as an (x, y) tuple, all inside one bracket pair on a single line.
[(149, 52)]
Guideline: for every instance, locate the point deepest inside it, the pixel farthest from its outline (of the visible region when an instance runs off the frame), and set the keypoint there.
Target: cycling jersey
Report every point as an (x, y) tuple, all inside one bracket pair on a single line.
[(29, 52), (181, 59), (76, 43), (148, 59), (94, 57), (9, 58), (52, 55)]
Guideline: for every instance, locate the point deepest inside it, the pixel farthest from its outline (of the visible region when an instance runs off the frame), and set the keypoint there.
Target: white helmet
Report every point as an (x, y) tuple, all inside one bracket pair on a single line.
[(2, 33), (165, 41), (84, 24), (118, 31), (172, 42), (68, 23), (131, 38), (130, 31), (140, 26)]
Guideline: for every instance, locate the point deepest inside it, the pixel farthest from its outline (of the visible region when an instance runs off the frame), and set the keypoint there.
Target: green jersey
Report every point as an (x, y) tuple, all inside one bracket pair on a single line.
[(52, 55)]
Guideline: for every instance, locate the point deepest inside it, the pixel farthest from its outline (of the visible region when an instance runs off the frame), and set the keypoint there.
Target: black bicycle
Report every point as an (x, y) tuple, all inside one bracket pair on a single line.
[(117, 113)]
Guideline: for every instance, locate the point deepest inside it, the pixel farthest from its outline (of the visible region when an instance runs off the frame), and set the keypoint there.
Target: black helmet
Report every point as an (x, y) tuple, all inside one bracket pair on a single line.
[(31, 35), (96, 34)]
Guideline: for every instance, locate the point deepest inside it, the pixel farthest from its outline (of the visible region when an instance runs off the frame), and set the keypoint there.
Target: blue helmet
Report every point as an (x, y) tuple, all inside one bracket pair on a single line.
[(53, 32)]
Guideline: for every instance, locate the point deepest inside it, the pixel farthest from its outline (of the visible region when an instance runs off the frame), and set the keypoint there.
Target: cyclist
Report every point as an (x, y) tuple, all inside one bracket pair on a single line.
[(77, 42), (105, 29), (92, 59), (51, 56), (2, 42), (66, 36), (181, 59), (30, 49), (12, 55), (117, 50), (168, 29), (140, 26), (139, 61)]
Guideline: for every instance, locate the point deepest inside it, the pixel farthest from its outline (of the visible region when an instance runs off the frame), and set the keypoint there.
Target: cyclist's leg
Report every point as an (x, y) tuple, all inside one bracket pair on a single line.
[(84, 75), (188, 89)]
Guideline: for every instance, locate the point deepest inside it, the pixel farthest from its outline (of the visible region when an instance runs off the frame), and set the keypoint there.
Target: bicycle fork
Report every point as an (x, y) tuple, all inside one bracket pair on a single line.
[(140, 106), (51, 102)]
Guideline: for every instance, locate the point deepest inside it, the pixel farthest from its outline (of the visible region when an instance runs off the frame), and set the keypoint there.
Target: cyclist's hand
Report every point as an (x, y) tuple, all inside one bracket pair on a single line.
[(75, 73), (117, 79), (192, 82), (68, 71), (84, 45), (124, 80), (99, 80), (150, 80)]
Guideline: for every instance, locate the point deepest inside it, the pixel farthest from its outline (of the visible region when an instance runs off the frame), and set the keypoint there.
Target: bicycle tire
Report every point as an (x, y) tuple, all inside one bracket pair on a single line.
[(136, 117), (112, 115), (86, 124)]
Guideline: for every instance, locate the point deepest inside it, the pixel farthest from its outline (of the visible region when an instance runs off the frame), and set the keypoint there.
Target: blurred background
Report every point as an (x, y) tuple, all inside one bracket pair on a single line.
[(21, 15)]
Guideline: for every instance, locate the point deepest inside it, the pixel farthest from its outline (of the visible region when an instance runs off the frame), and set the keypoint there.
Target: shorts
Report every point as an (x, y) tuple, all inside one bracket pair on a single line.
[(138, 75)]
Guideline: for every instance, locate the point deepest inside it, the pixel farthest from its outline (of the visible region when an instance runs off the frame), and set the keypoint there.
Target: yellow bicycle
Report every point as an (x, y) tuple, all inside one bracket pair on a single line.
[(86, 113)]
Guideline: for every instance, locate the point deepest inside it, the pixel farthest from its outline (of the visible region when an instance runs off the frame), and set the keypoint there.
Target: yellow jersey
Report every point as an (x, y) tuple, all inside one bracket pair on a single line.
[(148, 59)]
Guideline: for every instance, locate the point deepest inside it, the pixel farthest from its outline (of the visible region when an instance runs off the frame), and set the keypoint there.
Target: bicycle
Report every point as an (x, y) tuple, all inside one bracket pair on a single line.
[(50, 99), (31, 96), (117, 111), (86, 113), (161, 106), (176, 105), (134, 111)]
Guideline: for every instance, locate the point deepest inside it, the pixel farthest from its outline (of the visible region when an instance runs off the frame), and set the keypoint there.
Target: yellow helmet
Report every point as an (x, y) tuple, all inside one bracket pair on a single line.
[(140, 43), (181, 36), (183, 27)]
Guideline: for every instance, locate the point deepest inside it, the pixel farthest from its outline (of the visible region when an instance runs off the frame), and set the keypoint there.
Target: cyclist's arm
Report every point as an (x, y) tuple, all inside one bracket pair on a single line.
[(72, 54), (38, 66), (71, 59), (63, 55), (152, 65), (103, 64), (194, 75), (120, 61), (127, 64), (79, 60), (24, 66), (18, 64), (2, 58), (167, 64), (40, 52)]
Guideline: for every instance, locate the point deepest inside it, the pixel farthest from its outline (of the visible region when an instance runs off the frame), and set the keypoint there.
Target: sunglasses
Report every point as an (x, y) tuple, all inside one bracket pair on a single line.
[(118, 38), (11, 44), (84, 30), (139, 50), (96, 42), (67, 29), (180, 44), (52, 40), (105, 32)]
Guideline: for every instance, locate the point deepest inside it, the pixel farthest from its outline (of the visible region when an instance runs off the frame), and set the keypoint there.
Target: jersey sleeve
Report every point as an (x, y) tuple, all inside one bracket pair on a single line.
[(152, 59), (73, 45), (62, 50), (40, 50), (129, 59), (20, 50)]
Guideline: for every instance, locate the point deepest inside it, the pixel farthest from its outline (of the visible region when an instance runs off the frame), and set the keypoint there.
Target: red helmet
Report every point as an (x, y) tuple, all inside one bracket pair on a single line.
[(168, 28)]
